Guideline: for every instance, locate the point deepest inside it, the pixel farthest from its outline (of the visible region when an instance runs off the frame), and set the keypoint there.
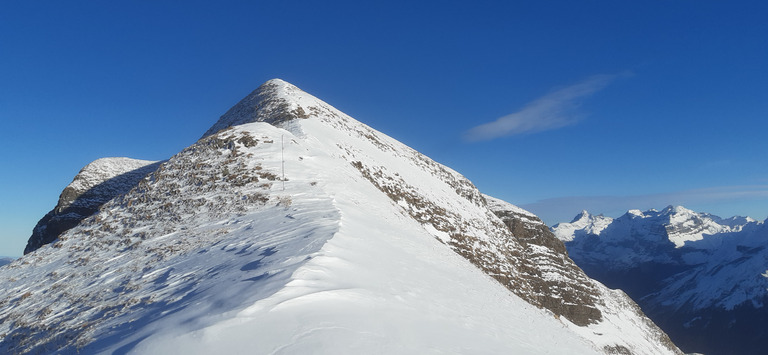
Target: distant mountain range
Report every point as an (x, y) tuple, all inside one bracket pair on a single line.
[(292, 228), (701, 278)]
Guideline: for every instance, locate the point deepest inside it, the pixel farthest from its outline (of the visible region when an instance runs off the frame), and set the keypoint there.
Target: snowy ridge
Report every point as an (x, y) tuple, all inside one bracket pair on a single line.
[(366, 246), (95, 184), (701, 277)]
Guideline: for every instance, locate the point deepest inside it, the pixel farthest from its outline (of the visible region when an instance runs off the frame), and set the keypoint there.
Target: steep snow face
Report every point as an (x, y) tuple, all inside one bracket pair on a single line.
[(365, 246), (97, 183), (702, 278)]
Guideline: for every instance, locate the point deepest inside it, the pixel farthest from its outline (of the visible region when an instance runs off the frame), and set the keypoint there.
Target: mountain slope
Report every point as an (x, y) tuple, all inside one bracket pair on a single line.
[(365, 246), (701, 277)]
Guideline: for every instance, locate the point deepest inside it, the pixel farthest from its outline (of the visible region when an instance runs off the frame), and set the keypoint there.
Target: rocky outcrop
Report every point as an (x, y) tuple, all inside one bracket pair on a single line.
[(97, 183), (265, 104), (559, 285)]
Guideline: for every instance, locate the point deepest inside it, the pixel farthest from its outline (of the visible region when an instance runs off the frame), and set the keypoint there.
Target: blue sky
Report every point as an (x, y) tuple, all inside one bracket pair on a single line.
[(556, 106)]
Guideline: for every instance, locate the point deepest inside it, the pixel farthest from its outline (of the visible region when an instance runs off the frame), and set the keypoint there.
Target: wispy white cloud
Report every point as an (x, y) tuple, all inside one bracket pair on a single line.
[(716, 200), (551, 111)]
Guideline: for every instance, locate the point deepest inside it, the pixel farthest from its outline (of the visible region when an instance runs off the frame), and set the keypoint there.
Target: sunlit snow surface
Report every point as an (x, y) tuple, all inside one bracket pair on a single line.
[(372, 289)]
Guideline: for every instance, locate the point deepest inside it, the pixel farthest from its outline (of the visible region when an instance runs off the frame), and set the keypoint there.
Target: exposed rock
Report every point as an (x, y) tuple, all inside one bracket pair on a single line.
[(559, 285), (265, 104)]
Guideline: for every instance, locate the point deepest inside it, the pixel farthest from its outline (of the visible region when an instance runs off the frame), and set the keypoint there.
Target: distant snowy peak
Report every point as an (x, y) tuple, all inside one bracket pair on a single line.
[(702, 278), (584, 214), (677, 223), (685, 225), (584, 223)]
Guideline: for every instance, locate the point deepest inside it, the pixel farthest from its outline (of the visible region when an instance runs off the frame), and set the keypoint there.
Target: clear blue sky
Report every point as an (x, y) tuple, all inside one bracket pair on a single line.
[(556, 106)]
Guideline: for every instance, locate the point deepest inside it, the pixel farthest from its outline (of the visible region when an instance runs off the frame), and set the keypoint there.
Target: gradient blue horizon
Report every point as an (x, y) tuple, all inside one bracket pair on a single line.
[(682, 119)]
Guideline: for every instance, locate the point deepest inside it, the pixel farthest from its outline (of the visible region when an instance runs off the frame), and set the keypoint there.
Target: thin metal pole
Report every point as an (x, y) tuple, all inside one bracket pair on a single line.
[(282, 158)]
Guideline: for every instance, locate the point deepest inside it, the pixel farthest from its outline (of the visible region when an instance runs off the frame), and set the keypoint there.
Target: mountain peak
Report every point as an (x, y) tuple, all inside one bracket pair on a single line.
[(584, 214), (274, 102), (676, 210)]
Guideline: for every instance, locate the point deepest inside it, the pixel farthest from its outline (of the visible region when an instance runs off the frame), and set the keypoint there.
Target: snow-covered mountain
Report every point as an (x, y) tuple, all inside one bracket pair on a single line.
[(702, 278), (292, 228)]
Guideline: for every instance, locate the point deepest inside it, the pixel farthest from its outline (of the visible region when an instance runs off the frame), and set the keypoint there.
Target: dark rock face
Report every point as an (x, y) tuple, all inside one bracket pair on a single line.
[(90, 189), (570, 295)]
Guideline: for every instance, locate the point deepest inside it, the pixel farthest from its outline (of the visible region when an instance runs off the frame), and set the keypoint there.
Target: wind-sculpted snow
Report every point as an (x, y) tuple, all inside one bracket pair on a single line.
[(290, 227), (206, 234), (702, 278)]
